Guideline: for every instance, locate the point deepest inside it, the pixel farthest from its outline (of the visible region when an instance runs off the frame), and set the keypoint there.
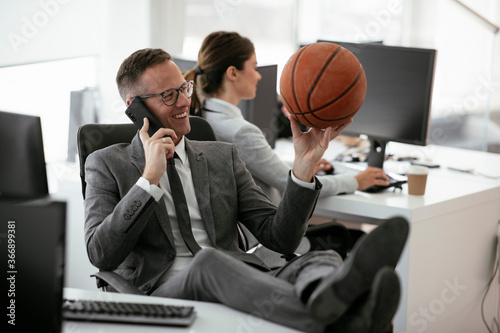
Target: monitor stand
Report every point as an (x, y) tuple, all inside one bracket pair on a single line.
[(376, 156)]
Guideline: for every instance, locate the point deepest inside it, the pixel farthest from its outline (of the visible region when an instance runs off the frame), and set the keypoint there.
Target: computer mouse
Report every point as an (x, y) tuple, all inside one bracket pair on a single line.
[(330, 171), (326, 172), (379, 188)]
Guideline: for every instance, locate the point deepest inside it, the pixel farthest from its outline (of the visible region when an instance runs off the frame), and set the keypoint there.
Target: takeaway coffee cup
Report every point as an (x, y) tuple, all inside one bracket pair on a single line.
[(417, 179)]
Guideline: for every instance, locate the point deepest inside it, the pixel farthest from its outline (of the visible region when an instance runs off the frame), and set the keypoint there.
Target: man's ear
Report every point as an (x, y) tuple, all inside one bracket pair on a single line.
[(129, 100), (231, 73)]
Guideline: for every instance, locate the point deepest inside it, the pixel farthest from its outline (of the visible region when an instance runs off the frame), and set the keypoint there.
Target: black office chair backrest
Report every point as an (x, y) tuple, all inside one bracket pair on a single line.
[(92, 137), (200, 130)]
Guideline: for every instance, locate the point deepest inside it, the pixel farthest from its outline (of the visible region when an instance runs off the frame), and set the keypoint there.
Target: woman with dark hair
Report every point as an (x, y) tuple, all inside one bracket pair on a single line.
[(227, 72)]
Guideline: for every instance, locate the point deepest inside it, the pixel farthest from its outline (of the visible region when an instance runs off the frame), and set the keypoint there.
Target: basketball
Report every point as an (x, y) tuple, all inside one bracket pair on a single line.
[(323, 85)]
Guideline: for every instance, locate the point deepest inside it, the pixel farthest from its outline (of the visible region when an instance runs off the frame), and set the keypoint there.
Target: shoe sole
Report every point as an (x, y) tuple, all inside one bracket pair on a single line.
[(381, 247)]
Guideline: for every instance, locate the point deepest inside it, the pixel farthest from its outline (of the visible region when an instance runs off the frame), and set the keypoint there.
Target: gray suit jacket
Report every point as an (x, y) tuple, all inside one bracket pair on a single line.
[(128, 232)]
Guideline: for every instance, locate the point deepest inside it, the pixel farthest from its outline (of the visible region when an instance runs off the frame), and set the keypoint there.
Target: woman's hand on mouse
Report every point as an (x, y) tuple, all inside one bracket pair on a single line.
[(371, 176)]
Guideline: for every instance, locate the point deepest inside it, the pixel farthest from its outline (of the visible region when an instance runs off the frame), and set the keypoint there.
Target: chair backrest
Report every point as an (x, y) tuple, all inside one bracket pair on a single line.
[(92, 137), (200, 130)]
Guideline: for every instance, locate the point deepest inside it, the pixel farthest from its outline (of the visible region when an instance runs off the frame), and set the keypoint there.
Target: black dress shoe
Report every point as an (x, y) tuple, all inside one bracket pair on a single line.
[(381, 247), (373, 312)]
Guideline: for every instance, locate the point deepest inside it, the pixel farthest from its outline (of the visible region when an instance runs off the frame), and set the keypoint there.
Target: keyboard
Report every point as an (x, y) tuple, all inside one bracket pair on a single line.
[(395, 180), (132, 312)]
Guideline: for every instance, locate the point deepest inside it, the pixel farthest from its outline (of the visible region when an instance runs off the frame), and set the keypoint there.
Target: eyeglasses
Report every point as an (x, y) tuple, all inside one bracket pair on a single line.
[(170, 96)]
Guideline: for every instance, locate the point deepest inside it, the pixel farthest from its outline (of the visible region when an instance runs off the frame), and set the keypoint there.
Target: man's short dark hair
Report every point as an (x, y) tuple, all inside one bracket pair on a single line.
[(131, 69)]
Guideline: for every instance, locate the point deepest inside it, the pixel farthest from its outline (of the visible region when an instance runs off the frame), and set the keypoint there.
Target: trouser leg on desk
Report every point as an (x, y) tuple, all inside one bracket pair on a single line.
[(215, 276), (305, 271)]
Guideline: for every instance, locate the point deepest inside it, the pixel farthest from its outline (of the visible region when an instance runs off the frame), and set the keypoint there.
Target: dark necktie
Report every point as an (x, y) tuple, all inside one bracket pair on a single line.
[(181, 207)]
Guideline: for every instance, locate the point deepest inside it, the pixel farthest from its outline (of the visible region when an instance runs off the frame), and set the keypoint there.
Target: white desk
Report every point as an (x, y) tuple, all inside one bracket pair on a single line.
[(211, 317), (449, 258)]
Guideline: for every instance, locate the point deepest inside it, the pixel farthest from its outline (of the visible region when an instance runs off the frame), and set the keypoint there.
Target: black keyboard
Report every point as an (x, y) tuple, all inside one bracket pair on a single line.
[(122, 312), (395, 180)]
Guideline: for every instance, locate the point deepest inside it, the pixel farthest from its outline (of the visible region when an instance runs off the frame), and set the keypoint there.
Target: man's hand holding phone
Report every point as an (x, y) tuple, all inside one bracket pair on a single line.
[(157, 149)]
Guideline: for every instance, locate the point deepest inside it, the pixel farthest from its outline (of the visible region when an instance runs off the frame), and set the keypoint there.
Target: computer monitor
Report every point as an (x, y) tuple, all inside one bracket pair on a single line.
[(22, 163), (33, 243), (260, 111), (398, 97), (184, 64)]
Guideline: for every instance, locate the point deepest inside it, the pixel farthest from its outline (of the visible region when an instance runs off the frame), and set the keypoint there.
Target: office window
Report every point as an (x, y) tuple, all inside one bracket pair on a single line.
[(278, 28), (354, 21), (466, 85), (465, 60), (269, 24), (44, 89)]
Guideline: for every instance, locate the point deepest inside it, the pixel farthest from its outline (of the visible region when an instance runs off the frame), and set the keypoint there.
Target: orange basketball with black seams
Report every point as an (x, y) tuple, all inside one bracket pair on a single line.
[(323, 85)]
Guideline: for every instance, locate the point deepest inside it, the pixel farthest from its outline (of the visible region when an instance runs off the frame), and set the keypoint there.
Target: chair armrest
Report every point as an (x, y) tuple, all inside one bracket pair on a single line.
[(117, 282)]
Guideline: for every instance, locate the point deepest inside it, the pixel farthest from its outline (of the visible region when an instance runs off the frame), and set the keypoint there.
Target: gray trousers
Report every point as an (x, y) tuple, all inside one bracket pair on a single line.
[(214, 276)]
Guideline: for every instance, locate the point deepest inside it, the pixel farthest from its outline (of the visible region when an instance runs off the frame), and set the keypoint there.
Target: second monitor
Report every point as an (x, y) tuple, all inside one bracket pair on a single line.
[(398, 97)]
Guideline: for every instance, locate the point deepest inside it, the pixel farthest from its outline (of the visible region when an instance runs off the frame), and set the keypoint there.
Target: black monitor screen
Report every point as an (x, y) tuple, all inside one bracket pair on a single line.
[(22, 163), (399, 89)]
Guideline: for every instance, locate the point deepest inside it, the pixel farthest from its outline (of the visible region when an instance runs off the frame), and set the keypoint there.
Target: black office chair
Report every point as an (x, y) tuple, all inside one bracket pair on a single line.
[(92, 137)]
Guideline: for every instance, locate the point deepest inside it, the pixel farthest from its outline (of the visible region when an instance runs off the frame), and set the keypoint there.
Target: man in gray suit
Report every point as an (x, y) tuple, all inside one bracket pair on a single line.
[(132, 227)]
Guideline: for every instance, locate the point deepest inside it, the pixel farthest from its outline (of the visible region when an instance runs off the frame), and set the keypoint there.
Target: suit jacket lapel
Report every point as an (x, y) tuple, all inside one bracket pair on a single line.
[(201, 182), (137, 153)]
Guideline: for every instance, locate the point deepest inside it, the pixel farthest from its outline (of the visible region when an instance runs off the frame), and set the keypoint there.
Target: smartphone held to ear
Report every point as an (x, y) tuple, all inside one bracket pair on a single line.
[(137, 110)]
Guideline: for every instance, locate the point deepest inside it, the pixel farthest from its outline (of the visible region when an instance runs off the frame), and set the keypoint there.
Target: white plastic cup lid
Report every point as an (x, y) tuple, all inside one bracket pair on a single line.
[(417, 170)]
